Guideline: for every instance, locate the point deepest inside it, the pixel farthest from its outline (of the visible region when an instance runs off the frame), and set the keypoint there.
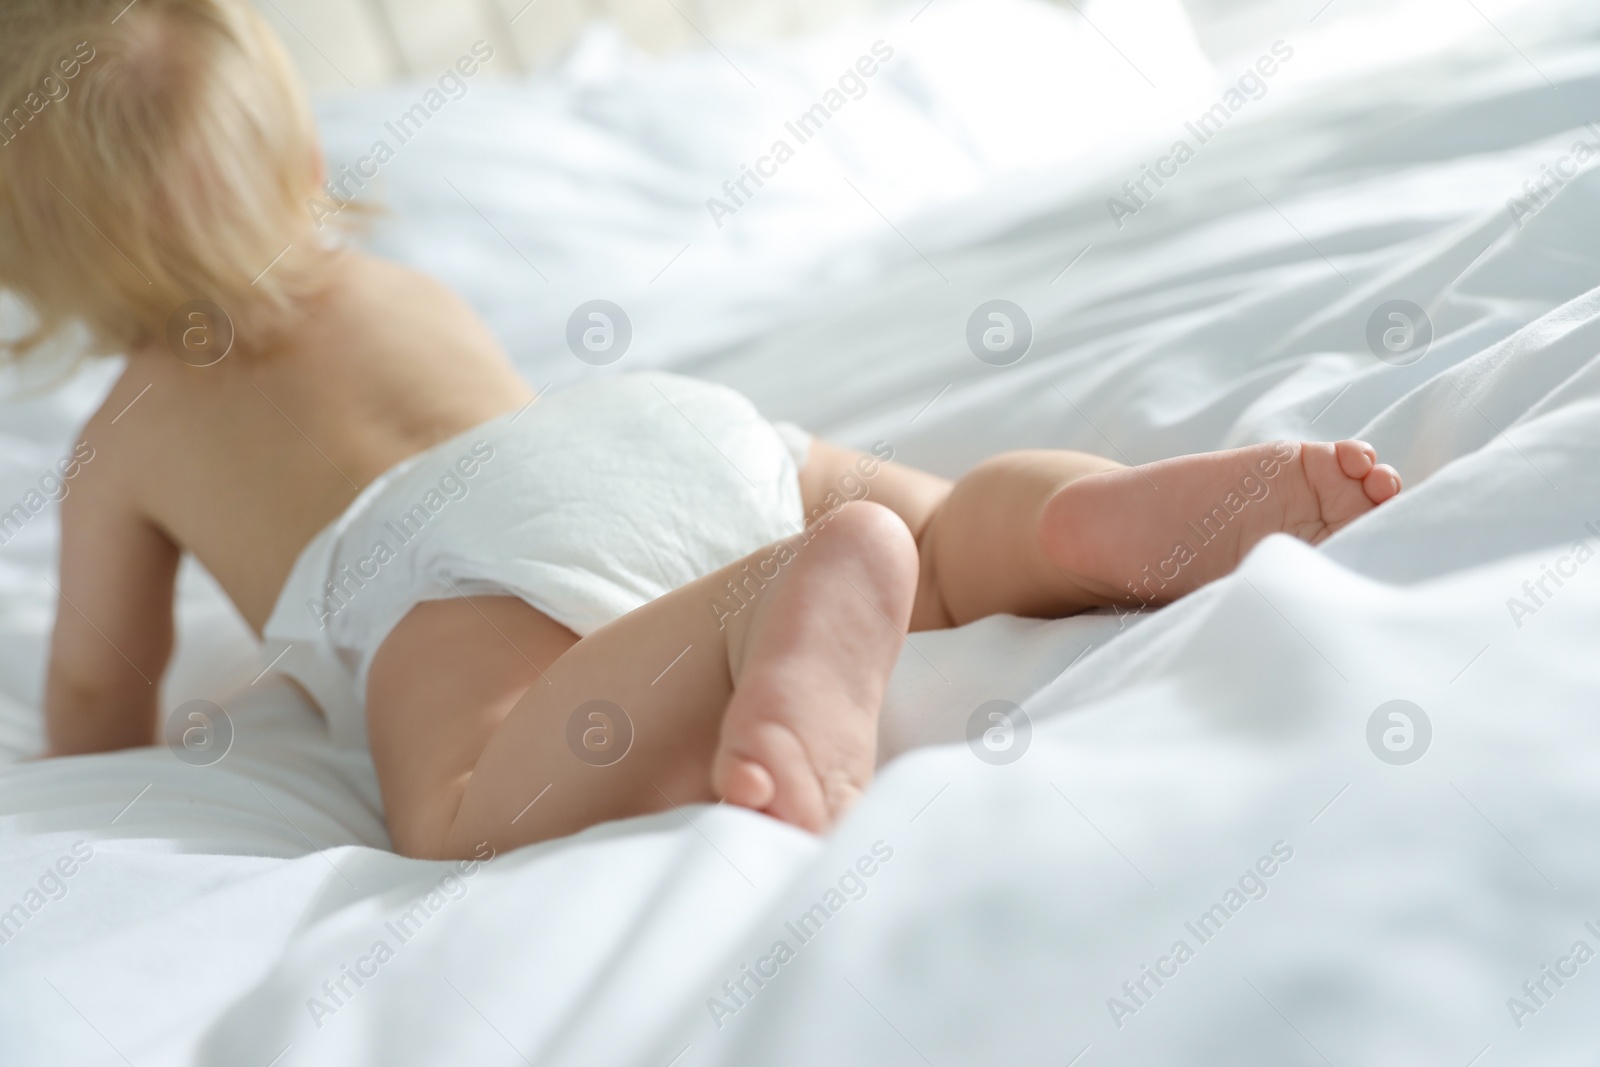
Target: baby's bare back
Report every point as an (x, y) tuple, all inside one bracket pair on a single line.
[(242, 462)]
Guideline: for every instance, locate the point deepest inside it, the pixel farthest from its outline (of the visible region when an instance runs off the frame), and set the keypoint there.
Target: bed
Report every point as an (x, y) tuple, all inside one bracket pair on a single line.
[(1340, 807)]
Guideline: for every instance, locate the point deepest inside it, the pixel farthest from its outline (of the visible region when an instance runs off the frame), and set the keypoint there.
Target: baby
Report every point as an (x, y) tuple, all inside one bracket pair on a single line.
[(537, 612)]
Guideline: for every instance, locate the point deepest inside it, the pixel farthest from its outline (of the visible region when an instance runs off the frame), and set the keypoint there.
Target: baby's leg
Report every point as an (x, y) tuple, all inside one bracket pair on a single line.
[(1045, 534), (981, 551), (977, 538), (760, 683), (1153, 533)]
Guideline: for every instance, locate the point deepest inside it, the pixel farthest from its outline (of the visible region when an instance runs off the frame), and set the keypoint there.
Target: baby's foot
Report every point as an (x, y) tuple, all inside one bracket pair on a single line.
[(1153, 533), (799, 738)]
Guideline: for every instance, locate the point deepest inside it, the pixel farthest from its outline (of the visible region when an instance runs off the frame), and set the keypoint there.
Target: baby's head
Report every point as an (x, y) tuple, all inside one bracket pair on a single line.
[(151, 155)]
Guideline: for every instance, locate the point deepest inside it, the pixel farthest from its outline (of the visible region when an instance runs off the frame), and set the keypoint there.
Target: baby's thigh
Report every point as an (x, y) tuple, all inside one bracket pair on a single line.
[(439, 686)]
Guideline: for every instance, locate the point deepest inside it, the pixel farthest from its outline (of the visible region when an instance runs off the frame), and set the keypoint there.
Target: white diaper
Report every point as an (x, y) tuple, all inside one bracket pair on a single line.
[(586, 505)]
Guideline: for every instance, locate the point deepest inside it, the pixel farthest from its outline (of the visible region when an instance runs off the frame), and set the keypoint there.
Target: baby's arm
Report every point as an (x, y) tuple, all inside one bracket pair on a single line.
[(114, 617)]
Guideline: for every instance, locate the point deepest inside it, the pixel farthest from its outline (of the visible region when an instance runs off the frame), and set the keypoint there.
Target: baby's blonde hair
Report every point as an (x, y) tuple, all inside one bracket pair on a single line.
[(151, 155)]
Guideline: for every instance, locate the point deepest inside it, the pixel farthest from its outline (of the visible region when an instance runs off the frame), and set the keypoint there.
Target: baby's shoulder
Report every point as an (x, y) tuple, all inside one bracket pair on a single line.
[(118, 434), (131, 387)]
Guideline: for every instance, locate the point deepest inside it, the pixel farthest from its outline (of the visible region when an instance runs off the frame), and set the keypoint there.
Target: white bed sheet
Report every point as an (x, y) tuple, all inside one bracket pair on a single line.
[(1018, 899)]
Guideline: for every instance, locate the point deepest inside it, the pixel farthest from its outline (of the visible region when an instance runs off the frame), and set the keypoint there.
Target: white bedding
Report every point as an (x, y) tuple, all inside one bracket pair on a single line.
[(1170, 754)]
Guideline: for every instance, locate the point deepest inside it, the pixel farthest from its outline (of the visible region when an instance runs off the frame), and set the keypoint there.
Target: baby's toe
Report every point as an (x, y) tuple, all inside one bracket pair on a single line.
[(744, 782), (1381, 483), (764, 766), (1356, 458)]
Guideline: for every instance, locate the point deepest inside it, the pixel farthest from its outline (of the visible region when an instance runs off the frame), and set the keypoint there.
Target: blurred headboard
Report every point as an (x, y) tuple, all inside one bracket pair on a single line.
[(361, 43)]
